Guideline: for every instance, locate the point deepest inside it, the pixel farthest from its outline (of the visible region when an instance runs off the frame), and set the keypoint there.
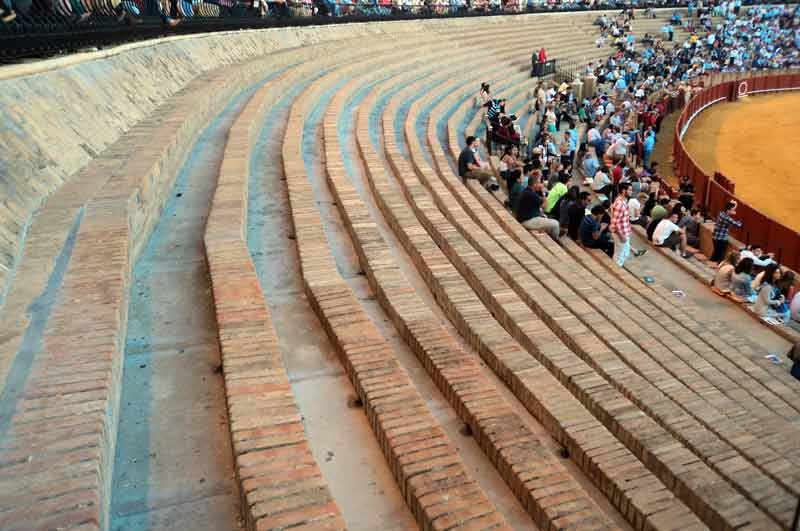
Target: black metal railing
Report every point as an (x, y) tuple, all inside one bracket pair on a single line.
[(43, 27)]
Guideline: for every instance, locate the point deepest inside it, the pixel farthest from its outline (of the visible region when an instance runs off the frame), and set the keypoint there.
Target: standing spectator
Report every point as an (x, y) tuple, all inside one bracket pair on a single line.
[(720, 236), (621, 224), (648, 144), (668, 31), (529, 212), (592, 232)]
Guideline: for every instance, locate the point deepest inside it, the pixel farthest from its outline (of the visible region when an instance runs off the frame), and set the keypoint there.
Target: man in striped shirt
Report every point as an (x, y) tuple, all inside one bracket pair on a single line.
[(720, 236), (621, 224)]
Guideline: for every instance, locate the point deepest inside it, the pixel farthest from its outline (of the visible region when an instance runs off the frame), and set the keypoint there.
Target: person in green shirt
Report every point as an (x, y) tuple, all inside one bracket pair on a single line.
[(660, 210), (557, 192)]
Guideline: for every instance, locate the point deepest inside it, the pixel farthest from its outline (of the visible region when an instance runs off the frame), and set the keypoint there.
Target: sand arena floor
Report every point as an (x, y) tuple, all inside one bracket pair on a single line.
[(755, 143)]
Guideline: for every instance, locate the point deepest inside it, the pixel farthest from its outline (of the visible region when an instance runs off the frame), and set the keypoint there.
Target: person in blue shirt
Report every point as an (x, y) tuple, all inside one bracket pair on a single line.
[(590, 165), (667, 29), (593, 234), (647, 146)]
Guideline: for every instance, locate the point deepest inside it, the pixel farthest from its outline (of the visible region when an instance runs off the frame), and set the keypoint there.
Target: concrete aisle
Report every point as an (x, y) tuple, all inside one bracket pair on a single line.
[(174, 465)]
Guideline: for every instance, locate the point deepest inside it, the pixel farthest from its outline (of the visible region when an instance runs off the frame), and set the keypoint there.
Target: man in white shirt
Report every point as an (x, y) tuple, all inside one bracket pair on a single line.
[(756, 254), (635, 211), (668, 234), (619, 149), (602, 182)]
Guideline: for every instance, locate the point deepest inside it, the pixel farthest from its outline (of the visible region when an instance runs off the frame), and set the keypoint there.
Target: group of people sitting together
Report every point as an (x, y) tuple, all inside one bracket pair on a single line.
[(751, 276), (613, 136)]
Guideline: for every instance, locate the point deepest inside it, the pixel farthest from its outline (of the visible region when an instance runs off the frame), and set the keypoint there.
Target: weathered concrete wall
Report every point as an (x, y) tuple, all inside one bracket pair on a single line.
[(56, 115)]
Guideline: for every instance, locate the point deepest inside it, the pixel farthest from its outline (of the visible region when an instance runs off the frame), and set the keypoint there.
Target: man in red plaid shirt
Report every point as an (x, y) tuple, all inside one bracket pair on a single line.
[(621, 224)]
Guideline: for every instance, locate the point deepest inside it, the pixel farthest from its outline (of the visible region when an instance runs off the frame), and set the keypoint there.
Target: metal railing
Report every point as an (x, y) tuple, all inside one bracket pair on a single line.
[(41, 27), (713, 191)]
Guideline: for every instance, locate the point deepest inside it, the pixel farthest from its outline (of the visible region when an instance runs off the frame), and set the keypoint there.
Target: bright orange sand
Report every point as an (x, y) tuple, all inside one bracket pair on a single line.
[(755, 142)]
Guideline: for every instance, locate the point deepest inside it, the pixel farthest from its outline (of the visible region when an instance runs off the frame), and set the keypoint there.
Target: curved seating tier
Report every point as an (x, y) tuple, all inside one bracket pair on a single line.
[(600, 402)]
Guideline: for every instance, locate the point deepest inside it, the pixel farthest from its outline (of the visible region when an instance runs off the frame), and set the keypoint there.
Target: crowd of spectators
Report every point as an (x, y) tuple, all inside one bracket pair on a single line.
[(608, 141), (173, 11)]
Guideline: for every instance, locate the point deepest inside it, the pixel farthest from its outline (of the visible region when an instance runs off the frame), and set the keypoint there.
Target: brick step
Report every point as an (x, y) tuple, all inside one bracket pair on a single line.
[(779, 431), (61, 429), (439, 490), (469, 262), (705, 404), (720, 336), (542, 394), (280, 482), (703, 272), (754, 392), (537, 477)]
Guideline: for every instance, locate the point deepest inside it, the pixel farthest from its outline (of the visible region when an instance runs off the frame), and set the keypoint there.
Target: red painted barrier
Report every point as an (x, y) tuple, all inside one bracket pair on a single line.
[(713, 192)]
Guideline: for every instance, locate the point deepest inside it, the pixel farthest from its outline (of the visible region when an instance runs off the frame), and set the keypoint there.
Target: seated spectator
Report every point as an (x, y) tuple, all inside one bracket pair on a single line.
[(668, 234), (510, 166), (569, 199), (722, 277), (660, 210), (756, 254), (770, 271), (601, 184), (657, 213), (686, 192), (593, 233), (589, 166), (529, 212), (556, 193), (794, 309), (514, 192), (469, 167), (506, 132), (635, 210), (794, 355), (649, 205), (771, 301), (741, 281), (691, 224), (575, 213)]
